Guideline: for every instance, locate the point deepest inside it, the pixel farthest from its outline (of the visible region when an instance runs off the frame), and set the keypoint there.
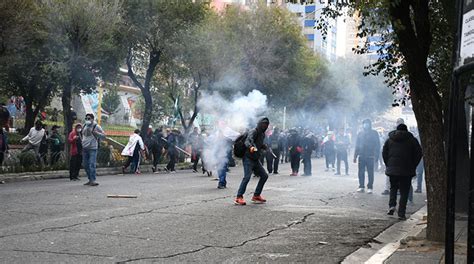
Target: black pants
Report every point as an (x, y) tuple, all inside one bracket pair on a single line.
[(172, 162), (403, 184), (156, 151), (272, 162), (2, 158), (330, 158), (75, 166), (366, 163), (307, 164), (295, 159), (196, 156), (341, 155)]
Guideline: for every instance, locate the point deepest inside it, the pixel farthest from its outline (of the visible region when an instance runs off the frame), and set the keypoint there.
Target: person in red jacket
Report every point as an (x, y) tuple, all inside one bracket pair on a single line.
[(75, 162)]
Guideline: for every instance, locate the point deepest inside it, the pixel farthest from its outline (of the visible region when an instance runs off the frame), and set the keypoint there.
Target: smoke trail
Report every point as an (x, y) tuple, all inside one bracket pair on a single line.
[(230, 118)]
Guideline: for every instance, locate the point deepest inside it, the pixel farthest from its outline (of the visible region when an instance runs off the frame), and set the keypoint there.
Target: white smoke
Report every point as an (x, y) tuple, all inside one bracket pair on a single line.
[(230, 119)]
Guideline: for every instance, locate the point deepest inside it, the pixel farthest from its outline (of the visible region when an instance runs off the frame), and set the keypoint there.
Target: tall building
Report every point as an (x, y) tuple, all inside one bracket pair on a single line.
[(341, 36)]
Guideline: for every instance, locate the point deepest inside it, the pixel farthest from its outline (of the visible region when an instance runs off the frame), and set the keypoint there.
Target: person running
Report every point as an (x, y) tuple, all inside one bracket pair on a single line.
[(75, 152), (254, 146), (401, 154), (34, 138), (91, 134), (295, 149), (367, 149), (342, 145), (132, 151)]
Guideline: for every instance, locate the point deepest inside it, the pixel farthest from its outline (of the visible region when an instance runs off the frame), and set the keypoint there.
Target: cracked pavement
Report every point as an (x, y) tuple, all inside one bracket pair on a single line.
[(183, 217)]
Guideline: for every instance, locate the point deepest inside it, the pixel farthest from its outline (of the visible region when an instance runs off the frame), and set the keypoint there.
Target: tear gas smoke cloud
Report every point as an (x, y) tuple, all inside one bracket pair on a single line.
[(230, 118)]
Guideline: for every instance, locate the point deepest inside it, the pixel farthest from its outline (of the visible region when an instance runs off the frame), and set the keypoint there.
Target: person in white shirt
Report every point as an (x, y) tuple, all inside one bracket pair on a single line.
[(132, 151), (34, 138)]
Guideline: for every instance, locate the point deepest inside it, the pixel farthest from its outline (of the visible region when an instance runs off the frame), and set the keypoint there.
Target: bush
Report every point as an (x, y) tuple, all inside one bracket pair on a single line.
[(27, 160)]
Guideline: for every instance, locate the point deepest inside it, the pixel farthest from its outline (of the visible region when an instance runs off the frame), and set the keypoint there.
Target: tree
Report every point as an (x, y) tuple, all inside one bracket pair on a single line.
[(26, 67), (86, 39), (155, 26), (415, 48)]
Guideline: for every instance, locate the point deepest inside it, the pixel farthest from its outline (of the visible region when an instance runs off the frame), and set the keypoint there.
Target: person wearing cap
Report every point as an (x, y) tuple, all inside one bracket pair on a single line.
[(75, 152), (57, 144), (34, 138), (366, 150), (401, 154), (91, 134), (254, 144)]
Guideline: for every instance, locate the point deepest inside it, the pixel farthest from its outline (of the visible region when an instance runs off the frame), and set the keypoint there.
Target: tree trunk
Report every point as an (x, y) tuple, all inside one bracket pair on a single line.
[(427, 108), (410, 21), (68, 122), (154, 59)]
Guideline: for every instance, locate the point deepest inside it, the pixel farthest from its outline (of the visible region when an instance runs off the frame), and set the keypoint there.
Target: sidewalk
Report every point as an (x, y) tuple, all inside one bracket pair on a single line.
[(43, 175), (405, 242), (420, 251)]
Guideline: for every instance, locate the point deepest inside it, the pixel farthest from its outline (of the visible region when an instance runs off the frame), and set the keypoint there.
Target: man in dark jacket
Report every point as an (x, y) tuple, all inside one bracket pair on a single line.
[(309, 145), (275, 145), (401, 154), (367, 149), (294, 149), (251, 163)]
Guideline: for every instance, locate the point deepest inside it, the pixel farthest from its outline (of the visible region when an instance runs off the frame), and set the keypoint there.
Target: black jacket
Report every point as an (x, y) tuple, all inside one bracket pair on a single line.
[(294, 143), (368, 144), (401, 154), (255, 138)]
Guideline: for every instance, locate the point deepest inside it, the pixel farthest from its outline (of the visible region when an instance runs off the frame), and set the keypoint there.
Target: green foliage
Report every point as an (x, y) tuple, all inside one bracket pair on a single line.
[(27, 159)]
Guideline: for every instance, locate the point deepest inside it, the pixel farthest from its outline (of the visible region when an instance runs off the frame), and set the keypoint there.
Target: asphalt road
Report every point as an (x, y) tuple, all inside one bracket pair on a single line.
[(183, 217)]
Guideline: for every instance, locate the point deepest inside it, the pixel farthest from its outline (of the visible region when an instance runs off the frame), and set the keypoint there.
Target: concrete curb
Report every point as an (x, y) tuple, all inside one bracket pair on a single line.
[(387, 242), (60, 174)]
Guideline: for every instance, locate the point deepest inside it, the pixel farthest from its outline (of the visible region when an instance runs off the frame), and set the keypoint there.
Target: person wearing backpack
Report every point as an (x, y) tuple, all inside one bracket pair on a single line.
[(253, 150), (91, 134)]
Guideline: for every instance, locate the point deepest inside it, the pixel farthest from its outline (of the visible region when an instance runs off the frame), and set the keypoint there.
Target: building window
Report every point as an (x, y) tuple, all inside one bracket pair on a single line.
[(310, 37), (309, 23)]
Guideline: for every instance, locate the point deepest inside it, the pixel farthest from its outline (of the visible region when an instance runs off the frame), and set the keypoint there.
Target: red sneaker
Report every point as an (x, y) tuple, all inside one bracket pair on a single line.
[(294, 174), (239, 201), (258, 199)]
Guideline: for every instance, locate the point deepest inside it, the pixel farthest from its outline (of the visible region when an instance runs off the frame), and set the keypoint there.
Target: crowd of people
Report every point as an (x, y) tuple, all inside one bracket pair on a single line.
[(398, 152)]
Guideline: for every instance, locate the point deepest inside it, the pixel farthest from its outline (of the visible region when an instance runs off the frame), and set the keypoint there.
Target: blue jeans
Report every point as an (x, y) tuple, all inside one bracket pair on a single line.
[(366, 163), (257, 168), (90, 160), (222, 173)]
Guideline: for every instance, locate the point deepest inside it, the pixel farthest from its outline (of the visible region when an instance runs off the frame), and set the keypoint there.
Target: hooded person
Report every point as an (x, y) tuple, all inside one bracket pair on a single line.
[(294, 149), (402, 154), (254, 144), (367, 150), (132, 152)]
